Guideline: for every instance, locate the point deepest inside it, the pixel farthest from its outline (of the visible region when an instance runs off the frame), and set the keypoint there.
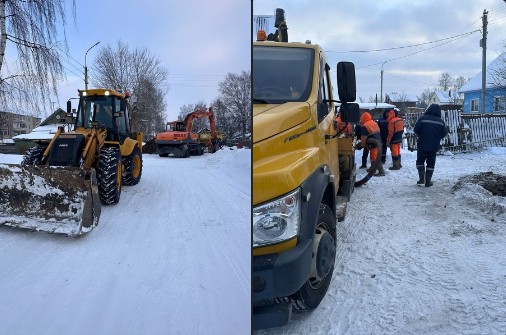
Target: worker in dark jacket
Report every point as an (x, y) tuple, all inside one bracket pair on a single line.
[(430, 129), (394, 138), (370, 129), (383, 126), (365, 153)]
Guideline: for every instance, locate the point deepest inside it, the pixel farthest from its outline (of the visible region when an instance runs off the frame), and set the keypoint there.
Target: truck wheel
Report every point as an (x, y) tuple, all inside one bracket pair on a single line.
[(133, 167), (33, 156), (186, 151), (314, 289), (109, 176)]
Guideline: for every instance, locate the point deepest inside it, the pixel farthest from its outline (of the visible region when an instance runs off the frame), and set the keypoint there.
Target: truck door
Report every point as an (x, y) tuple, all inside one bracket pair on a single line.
[(326, 117)]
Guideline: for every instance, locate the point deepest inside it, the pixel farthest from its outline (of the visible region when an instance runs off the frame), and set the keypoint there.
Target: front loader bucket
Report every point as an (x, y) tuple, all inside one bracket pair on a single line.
[(60, 200)]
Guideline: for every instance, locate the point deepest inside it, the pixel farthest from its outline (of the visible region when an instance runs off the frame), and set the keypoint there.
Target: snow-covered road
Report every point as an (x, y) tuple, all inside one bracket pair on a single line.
[(417, 260), (173, 257)]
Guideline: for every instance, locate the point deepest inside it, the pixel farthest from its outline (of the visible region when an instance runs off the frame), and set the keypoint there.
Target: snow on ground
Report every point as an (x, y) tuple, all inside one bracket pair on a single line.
[(417, 260), (172, 257)]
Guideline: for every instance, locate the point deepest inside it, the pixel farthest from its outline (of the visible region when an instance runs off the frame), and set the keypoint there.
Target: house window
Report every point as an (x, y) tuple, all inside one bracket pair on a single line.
[(499, 104), (474, 105)]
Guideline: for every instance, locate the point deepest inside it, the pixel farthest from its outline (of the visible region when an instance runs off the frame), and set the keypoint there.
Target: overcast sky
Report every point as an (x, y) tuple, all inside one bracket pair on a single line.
[(199, 42), (365, 25)]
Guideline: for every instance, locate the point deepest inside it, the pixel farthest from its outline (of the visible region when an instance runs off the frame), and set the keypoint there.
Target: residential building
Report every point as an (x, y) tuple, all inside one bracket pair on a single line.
[(447, 100), (402, 101), (12, 124), (44, 131), (495, 89)]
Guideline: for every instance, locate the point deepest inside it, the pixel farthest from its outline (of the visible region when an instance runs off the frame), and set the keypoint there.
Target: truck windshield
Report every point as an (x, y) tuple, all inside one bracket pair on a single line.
[(95, 108), (281, 74)]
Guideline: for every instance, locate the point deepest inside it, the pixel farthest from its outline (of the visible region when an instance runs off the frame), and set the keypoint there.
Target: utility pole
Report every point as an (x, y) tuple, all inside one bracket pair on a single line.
[(381, 92), (86, 68), (483, 45)]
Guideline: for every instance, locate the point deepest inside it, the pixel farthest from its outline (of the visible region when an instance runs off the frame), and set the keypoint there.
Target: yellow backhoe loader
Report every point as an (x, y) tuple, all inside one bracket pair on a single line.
[(61, 183)]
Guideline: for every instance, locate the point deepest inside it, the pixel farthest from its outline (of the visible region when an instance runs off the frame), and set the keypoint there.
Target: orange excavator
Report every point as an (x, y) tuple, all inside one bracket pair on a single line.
[(178, 139)]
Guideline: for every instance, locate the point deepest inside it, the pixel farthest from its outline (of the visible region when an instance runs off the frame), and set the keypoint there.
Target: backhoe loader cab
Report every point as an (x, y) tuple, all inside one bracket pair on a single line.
[(103, 109), (62, 182)]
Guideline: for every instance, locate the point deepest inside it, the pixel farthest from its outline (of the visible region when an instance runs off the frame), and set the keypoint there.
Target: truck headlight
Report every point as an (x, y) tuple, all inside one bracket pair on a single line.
[(277, 221)]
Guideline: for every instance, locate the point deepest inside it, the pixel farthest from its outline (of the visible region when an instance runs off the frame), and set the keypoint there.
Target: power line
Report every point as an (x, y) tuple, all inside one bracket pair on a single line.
[(408, 55), (408, 46)]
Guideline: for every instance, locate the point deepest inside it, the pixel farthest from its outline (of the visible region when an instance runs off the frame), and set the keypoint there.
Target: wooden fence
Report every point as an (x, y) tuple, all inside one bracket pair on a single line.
[(466, 131)]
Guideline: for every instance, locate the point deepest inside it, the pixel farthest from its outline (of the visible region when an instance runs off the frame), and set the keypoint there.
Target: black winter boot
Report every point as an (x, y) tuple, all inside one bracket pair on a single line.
[(428, 177), (381, 171), (400, 163), (396, 164), (421, 175)]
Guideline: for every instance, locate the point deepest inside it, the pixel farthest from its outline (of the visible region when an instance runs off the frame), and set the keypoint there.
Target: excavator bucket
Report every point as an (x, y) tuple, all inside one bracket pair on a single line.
[(60, 200)]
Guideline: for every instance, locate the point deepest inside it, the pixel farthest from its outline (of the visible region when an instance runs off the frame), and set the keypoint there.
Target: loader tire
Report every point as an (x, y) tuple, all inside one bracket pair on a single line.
[(309, 296), (133, 168), (33, 156), (109, 176)]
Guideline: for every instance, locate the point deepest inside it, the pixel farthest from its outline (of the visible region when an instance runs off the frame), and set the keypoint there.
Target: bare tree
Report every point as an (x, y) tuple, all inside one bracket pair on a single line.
[(198, 124), (498, 75), (235, 93), (32, 26), (459, 82), (445, 81), (424, 98), (148, 109), (141, 74), (223, 120)]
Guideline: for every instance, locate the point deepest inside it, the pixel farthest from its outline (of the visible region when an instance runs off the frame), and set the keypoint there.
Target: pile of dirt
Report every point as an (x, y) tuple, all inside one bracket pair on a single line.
[(494, 183), (149, 147)]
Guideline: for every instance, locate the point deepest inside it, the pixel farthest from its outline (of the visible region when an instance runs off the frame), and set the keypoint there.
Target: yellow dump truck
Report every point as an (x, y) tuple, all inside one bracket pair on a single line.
[(303, 175)]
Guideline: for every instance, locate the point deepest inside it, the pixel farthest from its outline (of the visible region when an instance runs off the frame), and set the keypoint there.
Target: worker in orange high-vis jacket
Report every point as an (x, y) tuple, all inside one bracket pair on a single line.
[(370, 129), (344, 128), (394, 139)]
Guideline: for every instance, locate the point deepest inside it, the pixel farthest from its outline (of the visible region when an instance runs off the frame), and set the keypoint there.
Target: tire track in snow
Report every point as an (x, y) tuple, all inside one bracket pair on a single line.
[(239, 275)]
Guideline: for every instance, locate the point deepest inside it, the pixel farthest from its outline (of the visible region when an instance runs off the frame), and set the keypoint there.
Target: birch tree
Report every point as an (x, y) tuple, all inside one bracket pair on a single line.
[(32, 29)]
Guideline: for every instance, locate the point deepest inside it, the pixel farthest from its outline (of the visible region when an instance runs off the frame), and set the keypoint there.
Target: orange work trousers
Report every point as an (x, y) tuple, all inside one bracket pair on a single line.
[(395, 148), (373, 153)]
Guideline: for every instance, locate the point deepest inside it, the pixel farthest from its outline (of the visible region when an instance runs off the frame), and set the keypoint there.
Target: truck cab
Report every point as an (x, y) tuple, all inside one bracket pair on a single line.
[(298, 176)]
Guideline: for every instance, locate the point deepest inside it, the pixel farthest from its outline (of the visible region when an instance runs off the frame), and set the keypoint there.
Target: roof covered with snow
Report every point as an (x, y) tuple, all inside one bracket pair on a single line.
[(373, 105), (39, 133), (475, 83)]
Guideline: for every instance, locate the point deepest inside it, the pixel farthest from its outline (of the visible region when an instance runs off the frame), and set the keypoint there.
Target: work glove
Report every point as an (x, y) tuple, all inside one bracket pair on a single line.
[(358, 146)]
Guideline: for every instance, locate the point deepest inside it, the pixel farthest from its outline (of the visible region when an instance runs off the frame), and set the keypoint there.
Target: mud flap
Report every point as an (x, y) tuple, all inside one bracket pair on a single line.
[(60, 200)]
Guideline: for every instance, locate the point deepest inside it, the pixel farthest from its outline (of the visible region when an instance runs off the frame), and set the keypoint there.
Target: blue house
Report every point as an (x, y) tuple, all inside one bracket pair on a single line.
[(495, 90)]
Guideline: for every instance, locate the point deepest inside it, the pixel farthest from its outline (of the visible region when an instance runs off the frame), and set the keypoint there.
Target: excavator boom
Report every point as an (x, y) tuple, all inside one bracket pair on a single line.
[(183, 142)]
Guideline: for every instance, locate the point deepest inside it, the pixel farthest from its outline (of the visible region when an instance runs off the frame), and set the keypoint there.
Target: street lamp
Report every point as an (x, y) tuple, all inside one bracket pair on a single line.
[(381, 92), (86, 68)]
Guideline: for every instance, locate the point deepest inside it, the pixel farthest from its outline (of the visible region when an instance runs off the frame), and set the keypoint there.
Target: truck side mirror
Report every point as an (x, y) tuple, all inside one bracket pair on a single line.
[(346, 84), (349, 112)]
